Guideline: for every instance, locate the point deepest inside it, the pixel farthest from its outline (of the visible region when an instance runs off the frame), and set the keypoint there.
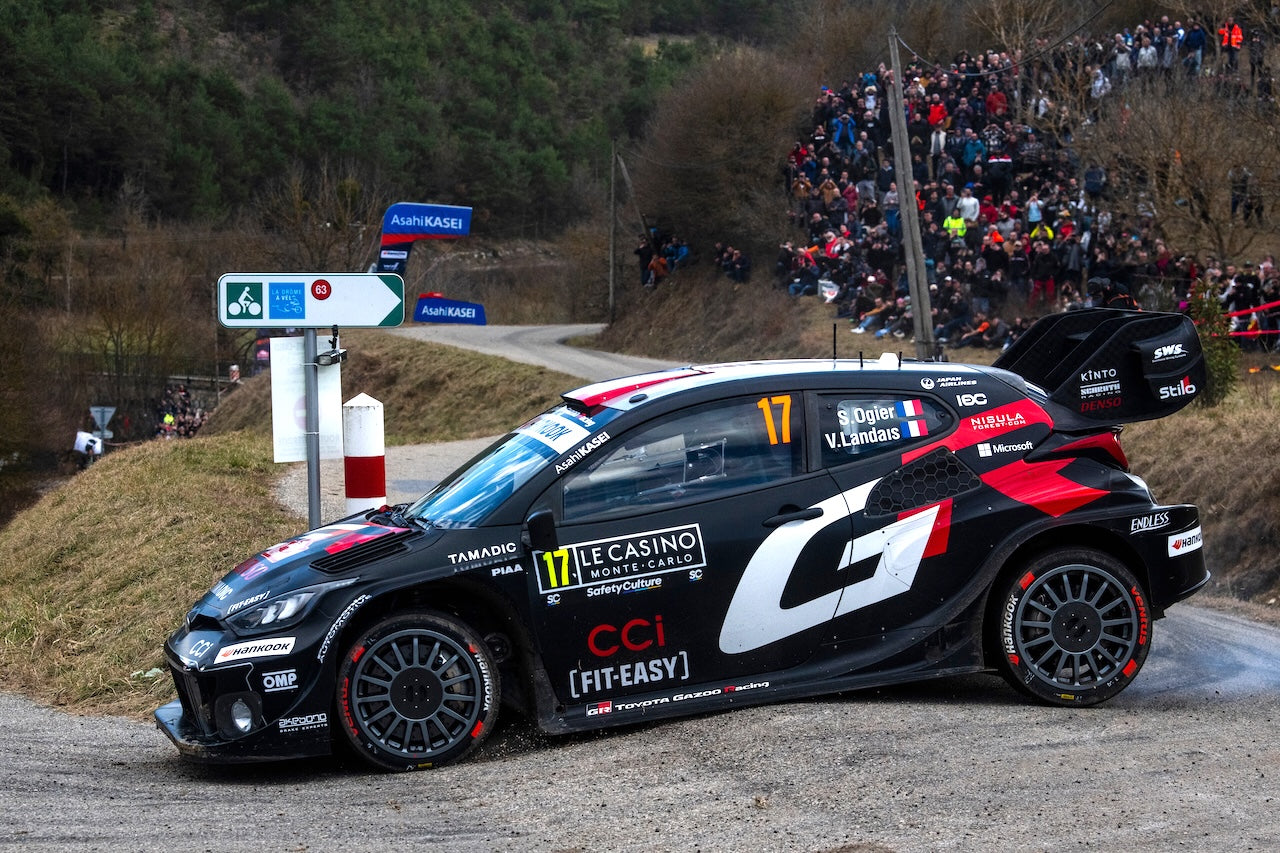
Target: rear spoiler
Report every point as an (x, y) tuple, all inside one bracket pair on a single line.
[(1109, 366)]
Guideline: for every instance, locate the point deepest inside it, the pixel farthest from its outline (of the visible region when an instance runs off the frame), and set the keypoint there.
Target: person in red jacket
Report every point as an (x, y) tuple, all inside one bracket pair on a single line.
[(1232, 37)]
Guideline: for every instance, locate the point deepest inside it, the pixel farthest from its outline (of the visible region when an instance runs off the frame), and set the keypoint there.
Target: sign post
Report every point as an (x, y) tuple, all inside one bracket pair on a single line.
[(309, 301)]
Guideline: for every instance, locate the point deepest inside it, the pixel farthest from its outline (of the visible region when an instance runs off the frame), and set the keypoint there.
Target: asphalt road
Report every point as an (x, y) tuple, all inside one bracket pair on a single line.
[(1188, 757)]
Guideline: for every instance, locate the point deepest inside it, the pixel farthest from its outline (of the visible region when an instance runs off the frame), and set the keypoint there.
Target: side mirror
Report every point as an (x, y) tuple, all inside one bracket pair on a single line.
[(541, 530)]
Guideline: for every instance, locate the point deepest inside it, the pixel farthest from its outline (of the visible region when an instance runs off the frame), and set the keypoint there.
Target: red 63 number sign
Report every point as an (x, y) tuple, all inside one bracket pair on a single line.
[(320, 289)]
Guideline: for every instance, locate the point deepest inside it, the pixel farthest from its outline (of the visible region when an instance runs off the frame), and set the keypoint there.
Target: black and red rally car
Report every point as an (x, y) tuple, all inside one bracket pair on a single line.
[(723, 535)]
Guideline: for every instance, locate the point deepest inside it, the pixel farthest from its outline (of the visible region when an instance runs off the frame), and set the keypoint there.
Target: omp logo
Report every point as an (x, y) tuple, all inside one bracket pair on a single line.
[(1168, 352), (756, 616), (1185, 543), (1183, 389), (276, 682)]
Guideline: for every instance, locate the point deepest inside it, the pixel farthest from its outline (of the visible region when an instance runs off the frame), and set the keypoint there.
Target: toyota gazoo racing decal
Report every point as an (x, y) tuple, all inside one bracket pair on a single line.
[(756, 617)]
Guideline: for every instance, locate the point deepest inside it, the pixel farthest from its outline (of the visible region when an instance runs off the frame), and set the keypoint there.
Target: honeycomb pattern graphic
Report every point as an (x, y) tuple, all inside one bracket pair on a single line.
[(933, 477)]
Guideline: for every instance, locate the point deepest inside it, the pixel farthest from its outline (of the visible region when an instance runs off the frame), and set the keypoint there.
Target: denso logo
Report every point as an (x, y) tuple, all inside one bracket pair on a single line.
[(1183, 389), (1168, 352), (1149, 522), (971, 400), (634, 636)]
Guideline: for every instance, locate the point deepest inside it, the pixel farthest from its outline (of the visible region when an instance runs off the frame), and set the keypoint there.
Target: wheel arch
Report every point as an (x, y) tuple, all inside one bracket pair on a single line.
[(481, 607), (1066, 536)]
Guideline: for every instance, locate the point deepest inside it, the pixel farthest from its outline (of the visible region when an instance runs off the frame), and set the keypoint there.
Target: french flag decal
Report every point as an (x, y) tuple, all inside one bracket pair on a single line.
[(914, 429), (911, 409)]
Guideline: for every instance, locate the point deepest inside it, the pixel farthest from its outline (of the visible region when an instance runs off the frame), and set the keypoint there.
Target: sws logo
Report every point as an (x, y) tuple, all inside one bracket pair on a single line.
[(1183, 389), (1168, 352)]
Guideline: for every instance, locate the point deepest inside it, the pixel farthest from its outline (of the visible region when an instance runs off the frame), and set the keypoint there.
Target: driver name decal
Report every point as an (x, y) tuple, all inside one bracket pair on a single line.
[(621, 559)]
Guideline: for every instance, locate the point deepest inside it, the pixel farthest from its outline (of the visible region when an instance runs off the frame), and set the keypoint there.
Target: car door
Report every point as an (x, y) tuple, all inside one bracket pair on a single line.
[(900, 491), (684, 553)]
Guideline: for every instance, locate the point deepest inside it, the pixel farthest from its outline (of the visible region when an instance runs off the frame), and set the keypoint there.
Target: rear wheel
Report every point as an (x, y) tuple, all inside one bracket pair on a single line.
[(1072, 627), (417, 690)]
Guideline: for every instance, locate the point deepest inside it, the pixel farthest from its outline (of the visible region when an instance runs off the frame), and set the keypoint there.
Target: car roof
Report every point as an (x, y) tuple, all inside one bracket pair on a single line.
[(628, 392)]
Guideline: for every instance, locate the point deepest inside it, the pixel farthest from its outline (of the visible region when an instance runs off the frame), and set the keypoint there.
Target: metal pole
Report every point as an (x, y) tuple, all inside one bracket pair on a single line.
[(917, 281), (311, 374), (613, 227)]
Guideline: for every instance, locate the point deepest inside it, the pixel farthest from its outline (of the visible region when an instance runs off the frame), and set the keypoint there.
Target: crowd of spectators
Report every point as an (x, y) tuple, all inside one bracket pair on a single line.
[(1013, 225), (178, 414)]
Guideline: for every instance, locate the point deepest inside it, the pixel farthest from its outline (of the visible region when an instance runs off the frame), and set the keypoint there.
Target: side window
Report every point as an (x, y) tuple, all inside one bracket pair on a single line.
[(694, 454), (855, 426)]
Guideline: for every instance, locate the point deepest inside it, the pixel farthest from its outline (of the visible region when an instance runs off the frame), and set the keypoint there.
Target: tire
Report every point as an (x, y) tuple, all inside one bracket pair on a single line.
[(1072, 627), (417, 690)]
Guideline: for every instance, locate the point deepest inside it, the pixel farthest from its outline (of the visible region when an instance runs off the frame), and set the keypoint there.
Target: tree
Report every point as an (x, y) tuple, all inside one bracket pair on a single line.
[(322, 220)]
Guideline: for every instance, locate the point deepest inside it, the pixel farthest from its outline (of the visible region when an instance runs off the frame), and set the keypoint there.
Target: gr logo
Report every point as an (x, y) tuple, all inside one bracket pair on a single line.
[(278, 682), (971, 400)]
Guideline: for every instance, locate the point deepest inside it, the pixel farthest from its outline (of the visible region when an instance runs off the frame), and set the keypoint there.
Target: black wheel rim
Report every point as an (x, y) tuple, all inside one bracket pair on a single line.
[(1076, 626), (417, 693)]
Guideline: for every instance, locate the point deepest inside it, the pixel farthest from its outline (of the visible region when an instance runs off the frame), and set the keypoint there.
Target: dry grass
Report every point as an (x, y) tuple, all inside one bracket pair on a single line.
[(99, 571), (428, 392)]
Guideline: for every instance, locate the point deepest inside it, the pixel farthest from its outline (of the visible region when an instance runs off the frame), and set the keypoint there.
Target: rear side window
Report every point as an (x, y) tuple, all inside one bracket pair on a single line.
[(854, 426), (695, 454)]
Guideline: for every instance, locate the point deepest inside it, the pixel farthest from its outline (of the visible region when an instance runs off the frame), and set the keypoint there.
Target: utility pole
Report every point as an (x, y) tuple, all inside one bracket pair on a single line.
[(917, 281)]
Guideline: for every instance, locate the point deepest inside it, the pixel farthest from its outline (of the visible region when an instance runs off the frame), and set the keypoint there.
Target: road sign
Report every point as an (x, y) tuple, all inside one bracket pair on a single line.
[(102, 415), (310, 300)]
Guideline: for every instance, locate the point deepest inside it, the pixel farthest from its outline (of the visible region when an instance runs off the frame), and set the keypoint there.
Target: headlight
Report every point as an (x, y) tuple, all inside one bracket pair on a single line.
[(283, 610)]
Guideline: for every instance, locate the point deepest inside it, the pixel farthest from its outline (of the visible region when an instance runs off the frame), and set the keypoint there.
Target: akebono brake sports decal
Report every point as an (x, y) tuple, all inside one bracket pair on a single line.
[(756, 616)]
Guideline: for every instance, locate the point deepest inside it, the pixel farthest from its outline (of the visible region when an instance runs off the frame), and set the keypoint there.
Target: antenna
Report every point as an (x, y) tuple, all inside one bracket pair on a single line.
[(833, 344)]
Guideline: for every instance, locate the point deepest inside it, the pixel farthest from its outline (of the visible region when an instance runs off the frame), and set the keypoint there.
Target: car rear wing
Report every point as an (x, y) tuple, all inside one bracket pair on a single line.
[(1109, 366)]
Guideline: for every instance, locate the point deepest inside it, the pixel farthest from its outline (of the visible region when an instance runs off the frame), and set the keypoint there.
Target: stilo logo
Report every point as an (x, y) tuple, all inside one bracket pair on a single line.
[(1182, 389)]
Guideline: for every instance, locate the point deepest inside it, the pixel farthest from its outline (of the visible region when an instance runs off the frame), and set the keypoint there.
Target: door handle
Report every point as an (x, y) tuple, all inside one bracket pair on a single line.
[(795, 515)]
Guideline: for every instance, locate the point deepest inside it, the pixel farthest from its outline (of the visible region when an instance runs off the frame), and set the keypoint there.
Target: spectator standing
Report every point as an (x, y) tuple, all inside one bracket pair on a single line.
[(1231, 38)]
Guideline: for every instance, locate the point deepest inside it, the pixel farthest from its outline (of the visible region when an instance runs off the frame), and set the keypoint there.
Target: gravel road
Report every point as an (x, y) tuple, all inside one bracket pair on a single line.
[(1187, 758)]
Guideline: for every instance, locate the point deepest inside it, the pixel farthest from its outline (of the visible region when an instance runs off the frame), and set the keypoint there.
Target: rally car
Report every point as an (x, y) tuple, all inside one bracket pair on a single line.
[(716, 536)]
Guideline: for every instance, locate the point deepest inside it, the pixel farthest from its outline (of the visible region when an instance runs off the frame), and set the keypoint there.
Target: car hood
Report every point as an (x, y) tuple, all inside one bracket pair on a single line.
[(323, 552)]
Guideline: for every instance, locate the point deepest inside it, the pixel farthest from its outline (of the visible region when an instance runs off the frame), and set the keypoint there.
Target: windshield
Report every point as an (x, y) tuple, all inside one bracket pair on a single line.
[(468, 496)]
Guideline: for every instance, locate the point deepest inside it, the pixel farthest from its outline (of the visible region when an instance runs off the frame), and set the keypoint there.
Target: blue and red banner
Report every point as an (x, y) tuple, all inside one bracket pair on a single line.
[(405, 223)]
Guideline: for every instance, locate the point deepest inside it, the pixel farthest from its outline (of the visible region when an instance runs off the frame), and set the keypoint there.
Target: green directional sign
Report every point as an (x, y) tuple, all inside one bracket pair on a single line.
[(310, 300)]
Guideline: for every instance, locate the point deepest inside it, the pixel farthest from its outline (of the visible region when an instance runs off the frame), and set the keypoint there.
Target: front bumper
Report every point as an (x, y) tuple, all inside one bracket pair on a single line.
[(286, 718)]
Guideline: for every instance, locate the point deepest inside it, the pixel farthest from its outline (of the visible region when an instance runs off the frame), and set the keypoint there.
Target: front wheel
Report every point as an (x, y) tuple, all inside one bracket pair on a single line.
[(417, 690), (1072, 627)]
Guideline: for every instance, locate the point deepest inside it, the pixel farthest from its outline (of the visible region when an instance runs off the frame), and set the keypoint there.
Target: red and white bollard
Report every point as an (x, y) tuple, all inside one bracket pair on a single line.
[(364, 461)]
